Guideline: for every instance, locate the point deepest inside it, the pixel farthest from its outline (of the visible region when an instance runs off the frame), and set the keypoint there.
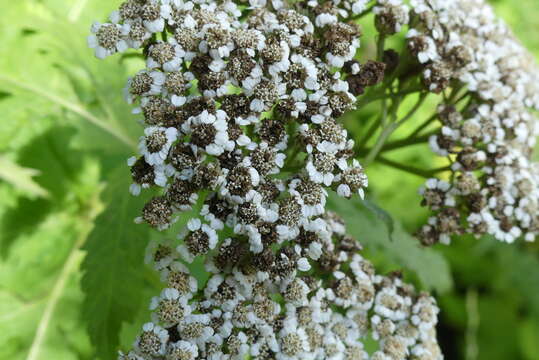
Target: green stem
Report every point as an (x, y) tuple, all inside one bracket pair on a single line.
[(434, 116), (125, 56), (389, 129), (290, 159), (409, 141), (411, 169), (383, 121), (411, 90), (369, 133), (386, 132), (454, 92), (472, 310), (379, 95), (380, 44), (372, 95), (423, 126), (464, 96)]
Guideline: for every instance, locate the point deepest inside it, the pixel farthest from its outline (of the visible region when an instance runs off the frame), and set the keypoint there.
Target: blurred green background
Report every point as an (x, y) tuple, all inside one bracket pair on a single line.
[(72, 280)]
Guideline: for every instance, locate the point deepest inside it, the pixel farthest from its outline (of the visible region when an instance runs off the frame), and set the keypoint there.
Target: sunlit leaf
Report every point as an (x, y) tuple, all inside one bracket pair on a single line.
[(21, 177), (39, 289)]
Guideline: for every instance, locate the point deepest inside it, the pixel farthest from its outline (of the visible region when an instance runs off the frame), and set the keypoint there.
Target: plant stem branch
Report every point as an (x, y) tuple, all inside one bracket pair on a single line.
[(362, 141), (450, 99), (380, 44), (289, 161), (409, 141), (380, 95), (423, 126), (390, 128), (411, 169), (386, 132), (464, 96)]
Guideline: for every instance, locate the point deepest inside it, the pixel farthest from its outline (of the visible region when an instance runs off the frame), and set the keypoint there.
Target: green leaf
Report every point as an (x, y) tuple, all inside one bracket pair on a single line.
[(21, 177), (61, 177), (521, 274), (53, 70), (114, 266), (404, 251), (38, 278), (382, 215), (51, 74), (75, 107), (529, 333)]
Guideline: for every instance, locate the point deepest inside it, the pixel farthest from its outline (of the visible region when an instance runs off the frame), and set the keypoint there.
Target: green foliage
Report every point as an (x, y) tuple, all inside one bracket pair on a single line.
[(113, 268), (385, 238), (40, 248), (60, 167), (382, 215), (21, 178), (506, 278)]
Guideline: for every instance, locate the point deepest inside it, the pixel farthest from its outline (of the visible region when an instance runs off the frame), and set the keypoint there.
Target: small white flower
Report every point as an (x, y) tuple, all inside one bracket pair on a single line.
[(209, 131), (107, 39), (198, 241), (156, 143), (153, 340)]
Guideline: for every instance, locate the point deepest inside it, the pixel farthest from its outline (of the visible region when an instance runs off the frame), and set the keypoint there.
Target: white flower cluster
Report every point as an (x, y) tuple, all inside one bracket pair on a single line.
[(262, 307), (221, 96), (241, 103), (494, 187), (240, 106)]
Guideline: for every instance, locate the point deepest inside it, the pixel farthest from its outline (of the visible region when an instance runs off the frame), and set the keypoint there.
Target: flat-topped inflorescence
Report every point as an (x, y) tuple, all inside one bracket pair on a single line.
[(241, 105)]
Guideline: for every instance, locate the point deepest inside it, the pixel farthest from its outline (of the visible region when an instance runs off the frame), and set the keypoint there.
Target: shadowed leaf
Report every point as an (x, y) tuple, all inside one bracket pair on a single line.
[(371, 230), (114, 265)]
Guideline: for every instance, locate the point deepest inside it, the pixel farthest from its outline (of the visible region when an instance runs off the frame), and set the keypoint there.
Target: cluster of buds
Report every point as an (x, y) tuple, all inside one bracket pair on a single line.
[(240, 106), (489, 140)]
